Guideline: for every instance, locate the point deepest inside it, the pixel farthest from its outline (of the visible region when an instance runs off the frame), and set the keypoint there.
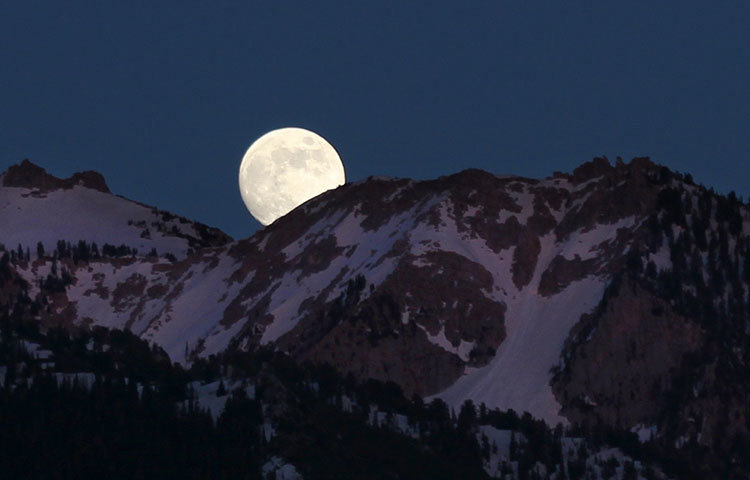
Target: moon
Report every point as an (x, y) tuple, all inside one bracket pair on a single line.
[(285, 168)]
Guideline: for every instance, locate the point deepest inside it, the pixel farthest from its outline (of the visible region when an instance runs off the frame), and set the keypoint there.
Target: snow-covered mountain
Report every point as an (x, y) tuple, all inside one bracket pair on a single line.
[(549, 296), (38, 207)]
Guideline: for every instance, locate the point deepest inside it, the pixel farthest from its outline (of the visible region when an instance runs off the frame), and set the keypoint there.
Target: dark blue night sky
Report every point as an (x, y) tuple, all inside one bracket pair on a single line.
[(164, 99)]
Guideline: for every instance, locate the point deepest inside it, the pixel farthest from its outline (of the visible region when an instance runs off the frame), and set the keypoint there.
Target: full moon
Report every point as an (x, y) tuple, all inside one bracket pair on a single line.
[(285, 168)]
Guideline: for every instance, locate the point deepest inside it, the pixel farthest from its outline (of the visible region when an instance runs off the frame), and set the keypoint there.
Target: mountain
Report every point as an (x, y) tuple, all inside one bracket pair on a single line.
[(616, 295), (38, 207)]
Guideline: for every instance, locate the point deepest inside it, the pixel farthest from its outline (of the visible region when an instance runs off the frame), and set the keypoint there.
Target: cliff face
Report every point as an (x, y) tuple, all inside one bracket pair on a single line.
[(621, 359)]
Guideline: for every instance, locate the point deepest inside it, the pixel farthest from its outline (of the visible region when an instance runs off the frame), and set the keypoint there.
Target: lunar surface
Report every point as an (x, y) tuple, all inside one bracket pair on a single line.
[(285, 168)]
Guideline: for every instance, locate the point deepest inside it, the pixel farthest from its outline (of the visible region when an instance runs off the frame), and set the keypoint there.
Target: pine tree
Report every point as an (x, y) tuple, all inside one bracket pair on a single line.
[(467, 416), (222, 390)]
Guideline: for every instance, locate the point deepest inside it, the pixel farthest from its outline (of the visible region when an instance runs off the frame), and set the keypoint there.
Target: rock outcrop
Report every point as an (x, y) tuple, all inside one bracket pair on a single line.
[(31, 176)]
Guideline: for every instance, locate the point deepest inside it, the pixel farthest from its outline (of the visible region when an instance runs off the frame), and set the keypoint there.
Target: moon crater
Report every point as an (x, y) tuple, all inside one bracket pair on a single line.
[(285, 168)]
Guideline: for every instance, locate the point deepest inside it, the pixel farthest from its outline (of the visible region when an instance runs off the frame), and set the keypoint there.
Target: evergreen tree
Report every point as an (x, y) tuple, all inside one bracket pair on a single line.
[(467, 416)]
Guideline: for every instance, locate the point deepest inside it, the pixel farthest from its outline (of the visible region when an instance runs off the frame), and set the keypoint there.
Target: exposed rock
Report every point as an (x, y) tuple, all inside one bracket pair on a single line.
[(407, 358), (29, 175), (317, 256), (622, 359), (525, 258), (89, 179), (406, 315), (597, 167), (562, 272)]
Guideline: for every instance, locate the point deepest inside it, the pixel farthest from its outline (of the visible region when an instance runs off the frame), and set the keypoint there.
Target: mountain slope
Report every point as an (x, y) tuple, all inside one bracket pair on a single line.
[(453, 268), (258, 415), (38, 207), (468, 286)]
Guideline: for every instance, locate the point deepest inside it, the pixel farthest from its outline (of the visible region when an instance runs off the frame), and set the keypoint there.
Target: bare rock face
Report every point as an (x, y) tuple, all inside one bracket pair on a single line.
[(561, 272), (90, 179), (620, 360), (426, 313), (373, 344), (28, 175), (525, 258), (597, 167)]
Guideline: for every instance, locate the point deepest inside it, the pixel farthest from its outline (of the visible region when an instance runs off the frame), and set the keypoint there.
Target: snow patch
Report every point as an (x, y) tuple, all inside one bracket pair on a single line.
[(462, 349), (645, 433), (519, 376), (280, 469)]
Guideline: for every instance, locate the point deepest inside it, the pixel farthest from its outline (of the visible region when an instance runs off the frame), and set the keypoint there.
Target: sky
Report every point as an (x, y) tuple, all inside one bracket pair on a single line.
[(163, 98)]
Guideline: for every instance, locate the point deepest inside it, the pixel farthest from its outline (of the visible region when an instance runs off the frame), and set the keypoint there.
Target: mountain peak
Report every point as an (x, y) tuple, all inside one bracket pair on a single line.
[(600, 166), (30, 175)]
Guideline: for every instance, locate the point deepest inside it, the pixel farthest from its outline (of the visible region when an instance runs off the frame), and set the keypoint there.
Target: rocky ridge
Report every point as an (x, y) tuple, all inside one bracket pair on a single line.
[(33, 177)]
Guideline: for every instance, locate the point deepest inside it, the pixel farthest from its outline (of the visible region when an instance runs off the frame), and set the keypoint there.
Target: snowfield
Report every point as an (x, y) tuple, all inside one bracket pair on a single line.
[(86, 214)]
